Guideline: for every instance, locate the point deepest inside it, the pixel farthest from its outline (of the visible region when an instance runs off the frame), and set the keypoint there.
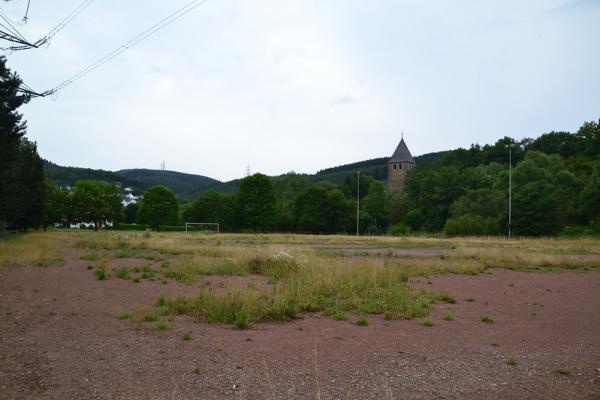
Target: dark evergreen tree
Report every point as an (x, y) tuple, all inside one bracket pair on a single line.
[(22, 181)]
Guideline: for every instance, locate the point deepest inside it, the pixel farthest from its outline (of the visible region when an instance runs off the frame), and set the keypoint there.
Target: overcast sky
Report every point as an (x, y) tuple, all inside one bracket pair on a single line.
[(304, 85)]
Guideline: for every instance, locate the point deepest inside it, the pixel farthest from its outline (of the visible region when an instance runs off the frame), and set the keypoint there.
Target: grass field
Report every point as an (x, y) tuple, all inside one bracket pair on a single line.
[(338, 276)]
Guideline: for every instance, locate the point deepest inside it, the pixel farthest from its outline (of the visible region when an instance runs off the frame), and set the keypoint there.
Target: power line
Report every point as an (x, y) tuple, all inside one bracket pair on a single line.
[(127, 45), (24, 44), (68, 19)]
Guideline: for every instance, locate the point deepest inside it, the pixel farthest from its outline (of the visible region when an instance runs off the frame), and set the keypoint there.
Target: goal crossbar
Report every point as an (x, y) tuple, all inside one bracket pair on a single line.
[(201, 224)]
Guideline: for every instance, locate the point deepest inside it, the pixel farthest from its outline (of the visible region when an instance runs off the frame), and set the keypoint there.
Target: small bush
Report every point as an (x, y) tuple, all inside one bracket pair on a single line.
[(471, 225), (512, 361), (136, 280), (161, 326), (123, 315), (161, 301), (90, 257), (101, 274), (241, 319), (122, 273), (427, 322), (150, 317), (449, 317), (471, 299), (187, 336), (447, 297), (488, 319), (563, 371), (361, 322)]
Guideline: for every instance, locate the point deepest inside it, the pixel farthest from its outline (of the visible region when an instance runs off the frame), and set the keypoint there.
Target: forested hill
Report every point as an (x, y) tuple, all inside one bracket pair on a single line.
[(184, 185), (70, 175)]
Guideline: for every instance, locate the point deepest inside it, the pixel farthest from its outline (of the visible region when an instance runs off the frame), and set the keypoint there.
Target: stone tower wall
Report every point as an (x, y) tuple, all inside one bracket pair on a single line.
[(397, 175)]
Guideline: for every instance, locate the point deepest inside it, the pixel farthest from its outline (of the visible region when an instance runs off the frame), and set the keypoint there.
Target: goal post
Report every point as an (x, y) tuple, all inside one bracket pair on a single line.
[(213, 225)]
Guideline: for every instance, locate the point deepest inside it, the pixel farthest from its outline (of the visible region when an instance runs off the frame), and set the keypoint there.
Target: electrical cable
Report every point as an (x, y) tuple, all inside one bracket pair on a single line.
[(132, 42), (127, 45)]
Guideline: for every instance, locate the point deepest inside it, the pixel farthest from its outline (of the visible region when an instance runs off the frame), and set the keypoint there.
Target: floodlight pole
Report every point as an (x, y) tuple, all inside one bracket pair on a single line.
[(510, 146), (357, 199)]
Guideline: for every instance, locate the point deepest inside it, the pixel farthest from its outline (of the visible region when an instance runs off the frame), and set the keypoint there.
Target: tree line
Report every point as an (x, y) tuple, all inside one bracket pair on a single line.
[(556, 186)]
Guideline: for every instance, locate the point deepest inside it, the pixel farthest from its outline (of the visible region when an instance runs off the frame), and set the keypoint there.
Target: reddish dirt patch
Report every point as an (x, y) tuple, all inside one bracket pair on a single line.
[(58, 340)]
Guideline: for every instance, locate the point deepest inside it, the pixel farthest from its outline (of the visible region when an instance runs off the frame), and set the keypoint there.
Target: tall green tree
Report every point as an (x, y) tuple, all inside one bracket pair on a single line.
[(159, 207), (59, 205), (257, 203), (213, 206), (22, 181), (96, 202), (376, 203), (590, 196)]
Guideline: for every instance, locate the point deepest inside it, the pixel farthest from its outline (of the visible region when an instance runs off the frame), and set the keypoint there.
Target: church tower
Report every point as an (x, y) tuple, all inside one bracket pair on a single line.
[(398, 166)]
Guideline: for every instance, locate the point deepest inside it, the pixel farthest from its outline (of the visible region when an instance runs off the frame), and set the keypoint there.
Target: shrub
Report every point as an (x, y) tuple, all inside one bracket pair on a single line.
[(361, 322), (488, 319), (449, 317), (101, 274), (471, 225), (399, 229), (122, 273)]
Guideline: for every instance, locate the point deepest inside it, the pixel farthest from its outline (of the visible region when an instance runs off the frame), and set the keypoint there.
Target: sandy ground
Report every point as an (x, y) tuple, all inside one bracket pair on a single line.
[(59, 339)]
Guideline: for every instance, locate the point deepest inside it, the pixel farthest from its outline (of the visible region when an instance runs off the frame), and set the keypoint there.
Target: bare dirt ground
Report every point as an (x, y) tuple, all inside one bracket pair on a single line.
[(59, 339)]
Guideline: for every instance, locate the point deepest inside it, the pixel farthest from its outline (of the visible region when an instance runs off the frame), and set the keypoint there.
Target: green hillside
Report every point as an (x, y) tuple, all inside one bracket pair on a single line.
[(69, 175), (186, 186)]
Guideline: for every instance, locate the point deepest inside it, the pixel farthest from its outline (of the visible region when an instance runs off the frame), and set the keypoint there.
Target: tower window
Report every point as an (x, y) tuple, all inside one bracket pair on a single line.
[(394, 166), (399, 166)]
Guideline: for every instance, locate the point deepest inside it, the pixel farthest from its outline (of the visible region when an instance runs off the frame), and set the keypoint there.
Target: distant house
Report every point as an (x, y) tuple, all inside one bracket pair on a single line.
[(129, 198)]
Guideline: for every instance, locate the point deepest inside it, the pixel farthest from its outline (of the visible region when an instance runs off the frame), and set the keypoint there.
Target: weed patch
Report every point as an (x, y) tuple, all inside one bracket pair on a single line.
[(101, 274), (488, 319)]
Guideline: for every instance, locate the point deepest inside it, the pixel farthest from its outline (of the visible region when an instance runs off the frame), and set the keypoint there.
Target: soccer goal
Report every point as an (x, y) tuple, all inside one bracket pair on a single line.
[(201, 226)]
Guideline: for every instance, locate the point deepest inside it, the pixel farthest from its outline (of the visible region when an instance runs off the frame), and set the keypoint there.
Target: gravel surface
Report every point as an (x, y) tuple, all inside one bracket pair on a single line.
[(59, 339)]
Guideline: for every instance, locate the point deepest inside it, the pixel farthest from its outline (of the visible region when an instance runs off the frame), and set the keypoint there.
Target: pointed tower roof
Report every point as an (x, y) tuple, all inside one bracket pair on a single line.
[(402, 154)]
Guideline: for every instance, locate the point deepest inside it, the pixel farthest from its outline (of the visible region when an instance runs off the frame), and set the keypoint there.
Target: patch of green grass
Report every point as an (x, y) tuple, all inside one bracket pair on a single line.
[(488, 319), (150, 317), (161, 301), (187, 336), (162, 326), (133, 253), (512, 361), (91, 257), (448, 317), (339, 315), (122, 273), (101, 274), (447, 297), (136, 280), (241, 319), (123, 315), (148, 273), (361, 322), (564, 371), (427, 322)]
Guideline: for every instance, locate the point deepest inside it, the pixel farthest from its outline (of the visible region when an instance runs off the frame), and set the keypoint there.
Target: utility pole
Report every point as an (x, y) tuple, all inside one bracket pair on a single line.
[(510, 146), (357, 199)]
